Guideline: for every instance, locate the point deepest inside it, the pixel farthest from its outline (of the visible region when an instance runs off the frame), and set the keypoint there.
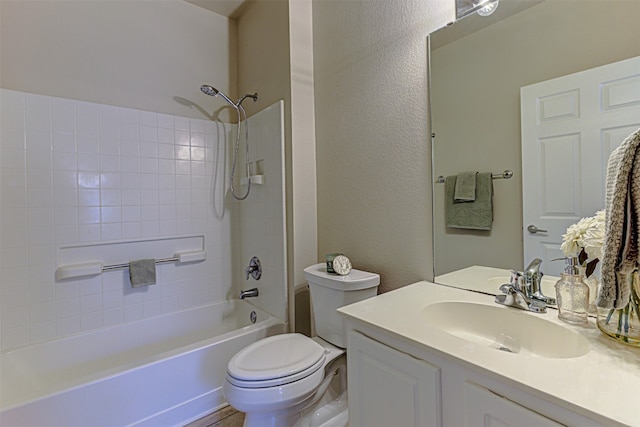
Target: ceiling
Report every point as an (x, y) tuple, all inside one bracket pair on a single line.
[(229, 8)]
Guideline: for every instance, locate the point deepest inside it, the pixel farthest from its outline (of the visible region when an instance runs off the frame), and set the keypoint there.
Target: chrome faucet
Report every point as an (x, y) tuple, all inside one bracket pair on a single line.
[(249, 293), (523, 290), (254, 269)]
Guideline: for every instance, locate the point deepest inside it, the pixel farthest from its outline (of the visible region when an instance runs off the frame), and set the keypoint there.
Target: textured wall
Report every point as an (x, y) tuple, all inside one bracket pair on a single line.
[(150, 55), (373, 151)]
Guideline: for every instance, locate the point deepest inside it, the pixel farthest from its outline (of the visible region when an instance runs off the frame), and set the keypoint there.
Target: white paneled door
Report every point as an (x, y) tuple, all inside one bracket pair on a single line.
[(570, 126)]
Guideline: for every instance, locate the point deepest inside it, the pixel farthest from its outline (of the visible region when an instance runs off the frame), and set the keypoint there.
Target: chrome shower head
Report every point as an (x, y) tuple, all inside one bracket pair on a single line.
[(209, 90), (212, 91)]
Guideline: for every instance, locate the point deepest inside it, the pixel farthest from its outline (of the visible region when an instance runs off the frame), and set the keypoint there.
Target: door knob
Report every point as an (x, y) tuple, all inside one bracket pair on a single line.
[(533, 229)]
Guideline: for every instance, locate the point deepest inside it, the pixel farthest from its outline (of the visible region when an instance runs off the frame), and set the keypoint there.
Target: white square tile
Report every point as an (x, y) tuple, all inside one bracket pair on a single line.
[(15, 317), (90, 303), (111, 231), (86, 118), (133, 312), (91, 321), (131, 230), (63, 112), (111, 214), (181, 123), (150, 228), (88, 197), (148, 181), (149, 197), (130, 148), (181, 138), (89, 233), (65, 161), (168, 227), (88, 180), (131, 213), (166, 136), (44, 312), (148, 118), (64, 235), (109, 163), (148, 166), (150, 213), (165, 121), (40, 332), (112, 317), (87, 144), (39, 294), (129, 164), (65, 215), (128, 115), (197, 140), (88, 162), (130, 132), (111, 197), (89, 215), (110, 180), (65, 142), (130, 181), (130, 197), (64, 180), (148, 134), (67, 325), (167, 212), (14, 337), (67, 307), (167, 166), (167, 197), (14, 138)]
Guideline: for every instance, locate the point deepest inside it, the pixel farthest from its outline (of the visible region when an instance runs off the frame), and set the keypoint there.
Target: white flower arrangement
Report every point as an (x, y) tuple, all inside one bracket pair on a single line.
[(585, 240)]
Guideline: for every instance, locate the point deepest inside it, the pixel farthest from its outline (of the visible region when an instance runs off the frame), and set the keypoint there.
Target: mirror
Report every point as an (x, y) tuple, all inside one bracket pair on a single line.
[(477, 67)]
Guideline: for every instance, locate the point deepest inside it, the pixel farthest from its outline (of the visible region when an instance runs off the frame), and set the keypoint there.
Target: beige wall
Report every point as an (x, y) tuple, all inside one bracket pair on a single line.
[(276, 59), (476, 97), (373, 151), (150, 55)]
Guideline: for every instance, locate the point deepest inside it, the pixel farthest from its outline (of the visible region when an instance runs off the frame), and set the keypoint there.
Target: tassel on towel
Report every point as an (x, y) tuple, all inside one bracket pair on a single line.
[(622, 223)]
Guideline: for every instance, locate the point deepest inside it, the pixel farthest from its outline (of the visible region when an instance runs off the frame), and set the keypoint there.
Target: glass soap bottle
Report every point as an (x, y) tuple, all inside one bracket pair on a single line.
[(572, 294)]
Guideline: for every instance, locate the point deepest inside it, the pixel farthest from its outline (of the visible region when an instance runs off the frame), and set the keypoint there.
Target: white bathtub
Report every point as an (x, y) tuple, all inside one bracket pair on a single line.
[(162, 371)]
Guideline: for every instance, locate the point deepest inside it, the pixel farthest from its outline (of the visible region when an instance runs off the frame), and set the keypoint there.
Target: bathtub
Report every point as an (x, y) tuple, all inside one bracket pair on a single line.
[(163, 371)]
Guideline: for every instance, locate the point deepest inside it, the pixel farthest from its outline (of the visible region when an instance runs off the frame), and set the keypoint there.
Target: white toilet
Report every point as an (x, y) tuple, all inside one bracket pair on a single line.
[(292, 380)]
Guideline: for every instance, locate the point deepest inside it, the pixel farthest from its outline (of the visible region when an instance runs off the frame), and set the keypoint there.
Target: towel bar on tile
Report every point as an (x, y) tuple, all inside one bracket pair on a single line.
[(93, 268), (126, 265), (504, 175)]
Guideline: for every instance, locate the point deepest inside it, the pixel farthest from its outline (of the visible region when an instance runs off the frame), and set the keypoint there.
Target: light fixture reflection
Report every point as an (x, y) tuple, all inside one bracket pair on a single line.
[(489, 8)]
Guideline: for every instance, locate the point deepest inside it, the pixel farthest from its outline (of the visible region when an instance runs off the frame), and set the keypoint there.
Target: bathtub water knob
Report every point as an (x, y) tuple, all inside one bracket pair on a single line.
[(253, 317), (254, 269)]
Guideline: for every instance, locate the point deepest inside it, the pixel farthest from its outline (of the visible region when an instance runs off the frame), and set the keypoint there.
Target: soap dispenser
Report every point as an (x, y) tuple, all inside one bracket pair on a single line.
[(572, 294)]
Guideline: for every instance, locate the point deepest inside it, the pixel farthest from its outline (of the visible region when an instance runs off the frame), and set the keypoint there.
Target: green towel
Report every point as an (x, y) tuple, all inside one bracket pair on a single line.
[(465, 188), (477, 215), (142, 272)]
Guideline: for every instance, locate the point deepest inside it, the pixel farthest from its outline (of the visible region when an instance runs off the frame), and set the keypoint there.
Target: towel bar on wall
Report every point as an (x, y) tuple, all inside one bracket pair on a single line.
[(504, 175), (70, 271)]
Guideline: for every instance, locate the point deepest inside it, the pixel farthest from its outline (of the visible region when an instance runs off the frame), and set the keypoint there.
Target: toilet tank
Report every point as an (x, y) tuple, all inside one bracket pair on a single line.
[(331, 291)]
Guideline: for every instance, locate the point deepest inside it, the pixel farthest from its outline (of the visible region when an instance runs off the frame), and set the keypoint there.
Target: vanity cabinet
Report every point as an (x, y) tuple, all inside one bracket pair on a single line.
[(393, 383), (390, 388)]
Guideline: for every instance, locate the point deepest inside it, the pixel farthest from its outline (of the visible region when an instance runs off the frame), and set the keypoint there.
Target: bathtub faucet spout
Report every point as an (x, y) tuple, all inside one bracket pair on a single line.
[(250, 293)]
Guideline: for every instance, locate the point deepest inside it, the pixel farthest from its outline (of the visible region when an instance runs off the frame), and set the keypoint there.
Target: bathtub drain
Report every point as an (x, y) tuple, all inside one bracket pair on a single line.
[(253, 317)]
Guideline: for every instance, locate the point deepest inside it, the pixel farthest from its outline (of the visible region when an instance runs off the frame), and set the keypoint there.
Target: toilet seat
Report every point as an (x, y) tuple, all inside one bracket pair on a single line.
[(276, 360)]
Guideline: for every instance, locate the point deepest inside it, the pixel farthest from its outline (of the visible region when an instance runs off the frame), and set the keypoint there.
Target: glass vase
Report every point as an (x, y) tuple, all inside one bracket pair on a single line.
[(623, 324), (592, 282)]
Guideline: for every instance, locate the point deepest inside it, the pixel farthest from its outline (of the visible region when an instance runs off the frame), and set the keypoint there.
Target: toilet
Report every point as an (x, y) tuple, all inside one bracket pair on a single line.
[(291, 379)]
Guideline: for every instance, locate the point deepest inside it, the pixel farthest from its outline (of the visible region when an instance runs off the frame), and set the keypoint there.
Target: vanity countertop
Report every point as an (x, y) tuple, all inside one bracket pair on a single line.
[(604, 381)]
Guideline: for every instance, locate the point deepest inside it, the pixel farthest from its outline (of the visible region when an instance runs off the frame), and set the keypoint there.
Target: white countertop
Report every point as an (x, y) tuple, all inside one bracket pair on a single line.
[(605, 381)]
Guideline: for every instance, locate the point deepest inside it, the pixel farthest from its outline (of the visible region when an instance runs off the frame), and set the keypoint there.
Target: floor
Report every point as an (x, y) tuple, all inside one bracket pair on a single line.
[(225, 417)]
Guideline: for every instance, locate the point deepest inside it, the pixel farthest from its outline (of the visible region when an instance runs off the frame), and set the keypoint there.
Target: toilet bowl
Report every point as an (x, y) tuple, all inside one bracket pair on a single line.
[(294, 380)]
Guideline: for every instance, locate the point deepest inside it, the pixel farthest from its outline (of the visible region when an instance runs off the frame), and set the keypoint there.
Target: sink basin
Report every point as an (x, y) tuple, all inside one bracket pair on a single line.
[(548, 285), (506, 329)]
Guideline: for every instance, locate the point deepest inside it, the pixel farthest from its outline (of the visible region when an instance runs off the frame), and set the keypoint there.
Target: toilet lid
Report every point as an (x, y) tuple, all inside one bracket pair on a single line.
[(276, 357)]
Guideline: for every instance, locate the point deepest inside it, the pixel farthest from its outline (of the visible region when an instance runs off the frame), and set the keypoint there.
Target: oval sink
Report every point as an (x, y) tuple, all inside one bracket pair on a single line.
[(505, 329)]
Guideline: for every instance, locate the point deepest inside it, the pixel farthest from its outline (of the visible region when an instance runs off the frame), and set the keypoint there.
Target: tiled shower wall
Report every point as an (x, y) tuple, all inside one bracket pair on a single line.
[(79, 172)]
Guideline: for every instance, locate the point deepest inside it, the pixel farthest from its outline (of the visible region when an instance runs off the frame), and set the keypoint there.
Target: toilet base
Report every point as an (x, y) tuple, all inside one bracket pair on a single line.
[(328, 410)]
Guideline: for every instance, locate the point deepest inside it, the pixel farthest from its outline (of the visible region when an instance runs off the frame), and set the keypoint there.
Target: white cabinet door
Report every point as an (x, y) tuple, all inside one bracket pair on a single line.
[(486, 409), (570, 126), (390, 388)]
